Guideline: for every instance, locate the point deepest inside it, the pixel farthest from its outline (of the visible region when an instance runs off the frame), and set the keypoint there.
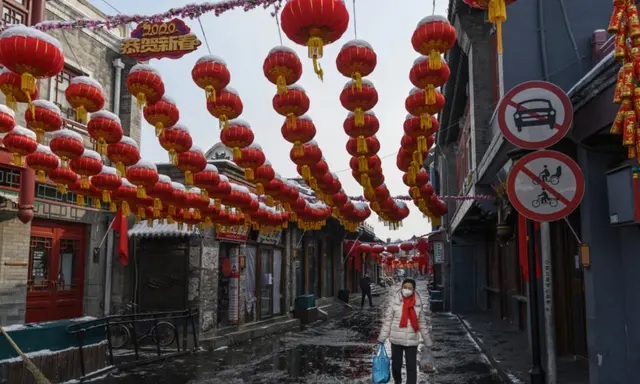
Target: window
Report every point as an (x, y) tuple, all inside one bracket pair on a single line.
[(14, 11), (62, 82)]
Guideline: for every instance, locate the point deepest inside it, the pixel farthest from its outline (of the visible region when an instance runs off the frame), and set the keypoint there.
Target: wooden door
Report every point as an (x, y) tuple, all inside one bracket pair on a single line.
[(56, 272)]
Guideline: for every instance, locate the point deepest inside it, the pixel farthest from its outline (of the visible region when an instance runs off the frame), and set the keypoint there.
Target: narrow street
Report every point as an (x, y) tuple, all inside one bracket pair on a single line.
[(336, 351)]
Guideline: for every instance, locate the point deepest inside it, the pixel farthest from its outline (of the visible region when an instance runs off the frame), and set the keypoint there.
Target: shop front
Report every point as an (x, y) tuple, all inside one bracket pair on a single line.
[(268, 255), (232, 261)]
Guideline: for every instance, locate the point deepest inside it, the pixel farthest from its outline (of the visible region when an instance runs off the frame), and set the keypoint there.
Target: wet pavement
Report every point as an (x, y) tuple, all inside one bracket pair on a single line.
[(336, 351)]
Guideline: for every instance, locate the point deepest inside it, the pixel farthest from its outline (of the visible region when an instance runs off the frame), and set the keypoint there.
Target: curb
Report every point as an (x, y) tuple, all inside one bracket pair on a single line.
[(502, 375)]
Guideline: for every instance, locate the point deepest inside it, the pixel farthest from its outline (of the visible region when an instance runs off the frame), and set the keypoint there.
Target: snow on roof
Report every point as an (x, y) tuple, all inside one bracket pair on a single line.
[(211, 59), (21, 30), (106, 115), (158, 229)]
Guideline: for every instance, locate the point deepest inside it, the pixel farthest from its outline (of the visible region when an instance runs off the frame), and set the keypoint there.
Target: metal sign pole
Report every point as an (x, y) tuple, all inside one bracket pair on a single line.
[(547, 293), (536, 373)]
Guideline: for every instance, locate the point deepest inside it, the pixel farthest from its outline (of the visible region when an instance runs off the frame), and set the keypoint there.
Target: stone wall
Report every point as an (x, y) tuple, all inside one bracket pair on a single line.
[(203, 282), (14, 240)]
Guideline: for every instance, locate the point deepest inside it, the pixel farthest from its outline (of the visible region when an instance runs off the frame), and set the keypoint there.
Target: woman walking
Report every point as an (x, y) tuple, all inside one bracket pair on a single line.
[(404, 322)]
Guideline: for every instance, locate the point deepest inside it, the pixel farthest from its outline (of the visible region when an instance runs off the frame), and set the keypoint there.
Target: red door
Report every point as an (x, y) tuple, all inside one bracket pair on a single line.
[(56, 271)]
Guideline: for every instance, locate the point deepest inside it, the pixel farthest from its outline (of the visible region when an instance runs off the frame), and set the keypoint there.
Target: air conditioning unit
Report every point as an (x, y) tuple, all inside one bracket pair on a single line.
[(624, 196)]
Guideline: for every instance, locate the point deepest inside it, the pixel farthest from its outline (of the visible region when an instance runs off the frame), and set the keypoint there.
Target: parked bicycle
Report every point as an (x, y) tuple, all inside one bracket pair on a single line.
[(551, 201), (162, 333)]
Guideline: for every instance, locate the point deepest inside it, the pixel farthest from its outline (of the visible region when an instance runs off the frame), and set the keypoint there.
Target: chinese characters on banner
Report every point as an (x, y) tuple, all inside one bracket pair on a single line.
[(234, 286), (172, 39)]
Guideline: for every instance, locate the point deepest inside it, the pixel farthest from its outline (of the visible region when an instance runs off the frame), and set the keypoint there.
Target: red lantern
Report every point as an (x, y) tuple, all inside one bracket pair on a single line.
[(359, 101), (427, 78), (190, 162), (206, 179), (43, 116), (314, 23), (413, 128), (392, 248), (407, 247), (339, 199), (416, 106), (263, 175), (196, 201), (422, 245), (30, 53), (107, 181), (42, 161), (282, 67), (125, 195), (292, 104), (80, 191), (433, 36), (104, 128), (142, 174), (372, 147), (124, 153), (63, 178), (364, 248), (273, 189), (67, 145), (227, 106), (220, 190), (10, 84), (7, 119), (84, 94), (144, 82), (237, 136), (86, 165), (369, 127), (211, 74), (302, 131), (250, 159), (177, 201), (356, 60), (161, 114), (176, 140), (377, 248), (20, 142), (311, 154), (161, 191)]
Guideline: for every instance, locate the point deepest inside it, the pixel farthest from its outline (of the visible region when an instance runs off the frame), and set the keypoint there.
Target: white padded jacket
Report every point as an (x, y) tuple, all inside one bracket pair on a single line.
[(406, 336)]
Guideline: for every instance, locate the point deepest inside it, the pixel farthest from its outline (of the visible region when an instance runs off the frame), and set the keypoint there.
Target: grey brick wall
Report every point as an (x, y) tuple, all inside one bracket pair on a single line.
[(13, 304), (203, 275)]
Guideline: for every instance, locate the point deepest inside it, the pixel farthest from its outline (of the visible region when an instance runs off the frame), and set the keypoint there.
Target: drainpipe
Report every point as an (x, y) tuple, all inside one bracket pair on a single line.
[(27, 175), (118, 65)]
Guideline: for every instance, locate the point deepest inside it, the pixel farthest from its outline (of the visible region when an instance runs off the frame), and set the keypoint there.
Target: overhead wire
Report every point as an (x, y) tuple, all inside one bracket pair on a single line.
[(355, 26), (275, 16), (204, 34)]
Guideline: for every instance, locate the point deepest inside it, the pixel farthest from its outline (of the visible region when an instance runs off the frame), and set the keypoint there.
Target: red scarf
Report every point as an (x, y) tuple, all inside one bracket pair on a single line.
[(409, 312)]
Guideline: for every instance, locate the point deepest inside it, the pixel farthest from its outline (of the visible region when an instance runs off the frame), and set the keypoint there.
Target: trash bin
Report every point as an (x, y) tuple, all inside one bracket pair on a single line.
[(304, 302)]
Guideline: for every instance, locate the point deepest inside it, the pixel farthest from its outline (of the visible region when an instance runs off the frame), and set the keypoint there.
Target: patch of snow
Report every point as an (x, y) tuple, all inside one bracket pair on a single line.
[(224, 178), (46, 104), (305, 117), (44, 149), (295, 87), (107, 170), (239, 188), (195, 190), (282, 48), (211, 59), (221, 348), (48, 352), (196, 149), (83, 319), (514, 380), (91, 154), (357, 43), (592, 73), (369, 113), (312, 143), (14, 327), (415, 90), (401, 204), (178, 186), (22, 131), (255, 145), (146, 164), (144, 68), (230, 90), (127, 184), (104, 114), (360, 205), (365, 82), (239, 122), (24, 31), (164, 179), (168, 100), (433, 19), (86, 80), (7, 110), (180, 127), (126, 140), (210, 168)]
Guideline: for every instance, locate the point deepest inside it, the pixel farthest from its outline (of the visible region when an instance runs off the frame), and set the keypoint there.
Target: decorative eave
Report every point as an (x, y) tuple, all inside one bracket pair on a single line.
[(161, 230), (602, 76)]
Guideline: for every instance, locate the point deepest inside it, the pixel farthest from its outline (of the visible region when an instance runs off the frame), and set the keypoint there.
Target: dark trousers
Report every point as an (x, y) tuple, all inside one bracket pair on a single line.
[(411, 357), (365, 294)]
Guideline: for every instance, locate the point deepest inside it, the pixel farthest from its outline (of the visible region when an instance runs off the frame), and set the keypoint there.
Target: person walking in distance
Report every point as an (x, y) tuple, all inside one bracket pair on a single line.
[(404, 322), (365, 287)]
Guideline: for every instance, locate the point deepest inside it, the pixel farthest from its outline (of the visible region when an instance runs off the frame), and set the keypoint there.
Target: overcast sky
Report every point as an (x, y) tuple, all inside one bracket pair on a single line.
[(243, 40)]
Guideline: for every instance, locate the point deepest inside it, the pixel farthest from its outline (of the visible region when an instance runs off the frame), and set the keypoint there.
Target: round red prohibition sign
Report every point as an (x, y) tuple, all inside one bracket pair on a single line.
[(535, 115), (545, 186)]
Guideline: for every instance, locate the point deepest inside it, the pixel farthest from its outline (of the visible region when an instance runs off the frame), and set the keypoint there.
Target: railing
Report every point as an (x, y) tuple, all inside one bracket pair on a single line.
[(134, 329)]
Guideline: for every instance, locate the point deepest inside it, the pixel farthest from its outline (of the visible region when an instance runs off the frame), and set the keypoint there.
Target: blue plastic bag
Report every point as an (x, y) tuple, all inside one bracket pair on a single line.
[(381, 373)]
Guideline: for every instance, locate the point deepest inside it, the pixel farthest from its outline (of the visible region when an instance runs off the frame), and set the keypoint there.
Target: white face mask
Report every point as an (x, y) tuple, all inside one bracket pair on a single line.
[(407, 292)]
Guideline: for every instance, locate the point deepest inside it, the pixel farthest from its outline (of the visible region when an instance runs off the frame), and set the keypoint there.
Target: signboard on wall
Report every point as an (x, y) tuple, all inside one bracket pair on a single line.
[(234, 286), (156, 40), (271, 238), (438, 252), (236, 235)]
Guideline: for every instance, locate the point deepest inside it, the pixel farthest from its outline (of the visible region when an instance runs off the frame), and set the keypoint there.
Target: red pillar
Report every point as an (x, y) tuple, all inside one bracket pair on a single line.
[(27, 175)]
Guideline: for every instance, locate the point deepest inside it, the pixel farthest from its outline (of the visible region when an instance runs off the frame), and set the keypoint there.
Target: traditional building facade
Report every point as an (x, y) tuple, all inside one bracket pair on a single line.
[(53, 267)]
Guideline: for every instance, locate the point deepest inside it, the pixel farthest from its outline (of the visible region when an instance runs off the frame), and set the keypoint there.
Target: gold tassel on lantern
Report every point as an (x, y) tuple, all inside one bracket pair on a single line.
[(141, 213), (315, 51), (80, 200), (172, 210), (188, 177), (224, 122), (358, 117), (113, 207), (425, 121), (28, 83), (17, 160), (361, 146), (97, 204), (173, 157), (196, 214), (357, 81), (260, 189), (375, 206), (237, 153), (498, 15), (11, 102), (435, 60), (81, 114), (84, 182), (150, 222), (141, 192), (211, 93), (306, 172), (269, 201), (39, 136), (106, 196), (157, 207), (313, 183), (159, 129), (207, 222), (205, 194), (365, 181), (141, 99), (170, 219), (417, 158), (291, 121), (281, 84), (422, 144), (101, 146), (430, 94), (298, 149), (363, 164), (41, 177), (120, 168), (369, 194), (248, 174)]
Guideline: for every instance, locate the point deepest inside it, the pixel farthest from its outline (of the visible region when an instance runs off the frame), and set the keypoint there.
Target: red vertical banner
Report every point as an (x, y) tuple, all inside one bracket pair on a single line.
[(523, 248)]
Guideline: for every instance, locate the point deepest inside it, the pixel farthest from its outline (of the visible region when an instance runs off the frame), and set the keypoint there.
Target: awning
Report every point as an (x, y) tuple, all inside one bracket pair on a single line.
[(158, 229), (9, 195)]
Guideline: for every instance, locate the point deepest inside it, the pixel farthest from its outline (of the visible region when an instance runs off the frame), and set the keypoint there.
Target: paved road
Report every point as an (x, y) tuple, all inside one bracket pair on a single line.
[(337, 351)]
